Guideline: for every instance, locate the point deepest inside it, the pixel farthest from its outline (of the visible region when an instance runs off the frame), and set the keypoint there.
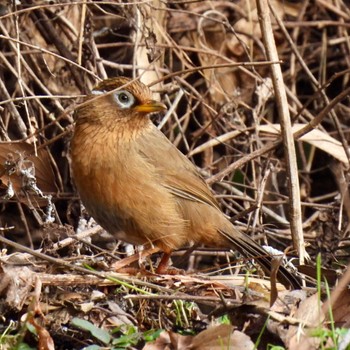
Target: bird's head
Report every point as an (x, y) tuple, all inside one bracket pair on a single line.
[(117, 99)]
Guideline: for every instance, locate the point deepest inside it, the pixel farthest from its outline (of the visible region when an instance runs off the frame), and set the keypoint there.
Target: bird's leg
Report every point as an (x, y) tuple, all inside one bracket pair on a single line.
[(163, 265)]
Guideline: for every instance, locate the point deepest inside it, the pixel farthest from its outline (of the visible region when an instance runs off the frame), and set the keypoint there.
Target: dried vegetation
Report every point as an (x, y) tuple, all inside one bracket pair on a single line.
[(208, 61)]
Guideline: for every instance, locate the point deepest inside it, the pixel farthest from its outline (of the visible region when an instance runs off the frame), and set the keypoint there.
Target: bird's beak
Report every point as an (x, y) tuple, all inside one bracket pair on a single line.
[(150, 107)]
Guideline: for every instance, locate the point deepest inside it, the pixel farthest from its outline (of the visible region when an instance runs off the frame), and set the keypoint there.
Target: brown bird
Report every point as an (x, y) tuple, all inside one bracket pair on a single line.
[(139, 186)]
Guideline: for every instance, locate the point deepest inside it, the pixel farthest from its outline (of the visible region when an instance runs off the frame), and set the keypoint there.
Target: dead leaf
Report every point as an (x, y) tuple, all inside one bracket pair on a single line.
[(311, 316), (16, 283), (19, 165), (45, 342), (248, 26), (315, 137), (169, 341), (221, 337), (211, 37), (214, 338), (287, 303), (340, 302)]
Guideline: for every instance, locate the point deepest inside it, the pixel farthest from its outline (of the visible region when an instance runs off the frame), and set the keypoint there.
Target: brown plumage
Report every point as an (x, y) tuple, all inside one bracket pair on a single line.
[(138, 185)]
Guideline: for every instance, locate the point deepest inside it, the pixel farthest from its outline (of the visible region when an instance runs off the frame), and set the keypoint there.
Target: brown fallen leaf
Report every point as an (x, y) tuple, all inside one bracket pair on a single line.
[(311, 317), (16, 283), (169, 341), (45, 341), (214, 338), (221, 337), (339, 302)]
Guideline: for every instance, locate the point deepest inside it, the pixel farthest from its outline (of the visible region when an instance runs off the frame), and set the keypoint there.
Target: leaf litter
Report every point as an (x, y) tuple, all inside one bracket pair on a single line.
[(206, 60)]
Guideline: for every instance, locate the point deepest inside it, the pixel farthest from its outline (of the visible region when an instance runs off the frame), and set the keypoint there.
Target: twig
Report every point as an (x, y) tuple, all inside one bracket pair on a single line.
[(286, 128)]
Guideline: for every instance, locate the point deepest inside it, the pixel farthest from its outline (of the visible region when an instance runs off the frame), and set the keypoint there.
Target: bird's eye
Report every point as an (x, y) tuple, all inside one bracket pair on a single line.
[(124, 99)]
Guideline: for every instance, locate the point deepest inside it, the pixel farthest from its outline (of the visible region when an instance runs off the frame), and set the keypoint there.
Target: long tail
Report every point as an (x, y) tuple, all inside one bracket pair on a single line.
[(247, 247)]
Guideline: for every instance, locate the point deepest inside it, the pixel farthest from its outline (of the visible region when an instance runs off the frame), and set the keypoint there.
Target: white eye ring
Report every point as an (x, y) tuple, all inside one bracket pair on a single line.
[(97, 92), (124, 98)]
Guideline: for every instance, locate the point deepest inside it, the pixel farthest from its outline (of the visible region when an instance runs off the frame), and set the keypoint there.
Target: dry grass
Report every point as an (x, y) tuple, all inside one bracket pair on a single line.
[(208, 61)]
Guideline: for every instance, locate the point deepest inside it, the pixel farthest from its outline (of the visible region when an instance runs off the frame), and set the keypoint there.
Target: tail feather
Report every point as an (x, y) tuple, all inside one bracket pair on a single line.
[(250, 248)]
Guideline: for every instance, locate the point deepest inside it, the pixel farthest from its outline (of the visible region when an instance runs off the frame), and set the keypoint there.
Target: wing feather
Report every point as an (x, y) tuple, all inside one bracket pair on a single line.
[(175, 170)]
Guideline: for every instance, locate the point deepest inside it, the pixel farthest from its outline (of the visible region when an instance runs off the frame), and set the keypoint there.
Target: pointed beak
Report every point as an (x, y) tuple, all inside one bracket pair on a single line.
[(150, 107)]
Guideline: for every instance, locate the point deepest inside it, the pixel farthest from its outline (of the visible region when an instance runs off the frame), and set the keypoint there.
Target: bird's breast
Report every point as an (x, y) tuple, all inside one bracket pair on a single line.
[(122, 190)]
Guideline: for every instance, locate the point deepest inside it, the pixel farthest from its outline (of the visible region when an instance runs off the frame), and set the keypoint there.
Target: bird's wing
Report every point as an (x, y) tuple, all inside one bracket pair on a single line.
[(182, 179), (176, 172)]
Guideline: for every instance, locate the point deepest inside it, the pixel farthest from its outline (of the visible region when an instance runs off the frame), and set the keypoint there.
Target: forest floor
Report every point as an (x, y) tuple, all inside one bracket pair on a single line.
[(258, 98)]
